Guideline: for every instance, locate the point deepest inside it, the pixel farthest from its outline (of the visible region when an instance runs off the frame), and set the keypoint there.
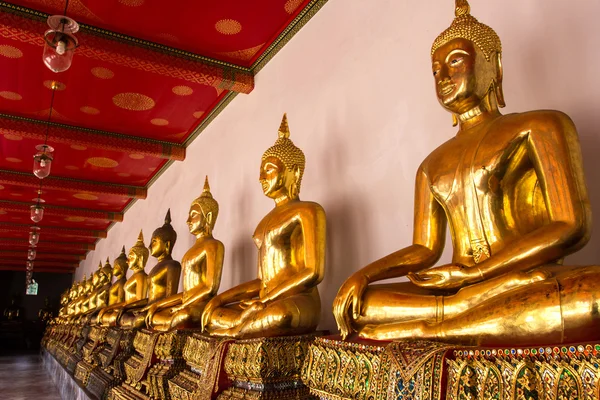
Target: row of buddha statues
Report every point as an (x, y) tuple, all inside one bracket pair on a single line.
[(510, 188), (284, 299)]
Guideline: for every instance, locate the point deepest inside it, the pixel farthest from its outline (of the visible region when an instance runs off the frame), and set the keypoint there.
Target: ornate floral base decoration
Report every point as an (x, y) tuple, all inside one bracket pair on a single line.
[(111, 373), (136, 367), (168, 351), (408, 370), (203, 376), (267, 368), (96, 339), (552, 373)]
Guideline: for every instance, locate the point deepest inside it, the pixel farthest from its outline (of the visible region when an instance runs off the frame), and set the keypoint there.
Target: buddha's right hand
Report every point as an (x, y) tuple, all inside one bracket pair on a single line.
[(348, 302), (150, 315)]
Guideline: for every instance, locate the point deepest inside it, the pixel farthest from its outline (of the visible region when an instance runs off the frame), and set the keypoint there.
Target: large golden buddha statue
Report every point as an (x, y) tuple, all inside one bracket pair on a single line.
[(80, 296), (202, 267), (512, 189), (163, 279), (135, 288), (116, 291), (284, 299)]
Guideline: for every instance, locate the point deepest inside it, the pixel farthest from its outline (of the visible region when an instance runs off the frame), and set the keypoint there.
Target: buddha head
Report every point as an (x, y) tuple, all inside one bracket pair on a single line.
[(88, 285), (105, 273), (120, 266), (163, 239), (282, 166), (81, 286), (203, 213), (467, 66), (96, 277), (138, 255)]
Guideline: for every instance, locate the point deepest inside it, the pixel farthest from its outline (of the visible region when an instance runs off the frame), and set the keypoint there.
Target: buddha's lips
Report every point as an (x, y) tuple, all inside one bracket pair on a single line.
[(446, 90)]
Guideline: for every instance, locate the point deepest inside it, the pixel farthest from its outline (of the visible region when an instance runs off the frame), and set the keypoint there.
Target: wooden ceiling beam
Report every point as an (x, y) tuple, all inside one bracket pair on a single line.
[(21, 243), (41, 269), (72, 185), (46, 255), (39, 263), (72, 135), (74, 232), (60, 211)]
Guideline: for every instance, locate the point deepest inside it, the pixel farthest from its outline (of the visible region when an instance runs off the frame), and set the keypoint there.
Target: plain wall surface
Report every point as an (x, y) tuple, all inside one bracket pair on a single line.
[(356, 83)]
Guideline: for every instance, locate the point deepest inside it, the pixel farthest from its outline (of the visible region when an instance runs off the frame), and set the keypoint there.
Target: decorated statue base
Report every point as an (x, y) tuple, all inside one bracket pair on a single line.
[(75, 347), (407, 370), (137, 366), (267, 368), (168, 352), (111, 373), (157, 358), (96, 339), (203, 375)]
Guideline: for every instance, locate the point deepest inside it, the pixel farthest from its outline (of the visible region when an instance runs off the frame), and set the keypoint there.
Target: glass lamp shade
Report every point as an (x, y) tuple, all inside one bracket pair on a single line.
[(60, 43), (31, 253), (34, 236), (29, 265), (37, 212), (42, 161)]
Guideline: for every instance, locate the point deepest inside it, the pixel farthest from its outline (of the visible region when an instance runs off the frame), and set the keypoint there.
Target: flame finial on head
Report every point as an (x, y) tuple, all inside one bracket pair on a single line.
[(168, 217), (284, 129), (206, 190), (465, 26)]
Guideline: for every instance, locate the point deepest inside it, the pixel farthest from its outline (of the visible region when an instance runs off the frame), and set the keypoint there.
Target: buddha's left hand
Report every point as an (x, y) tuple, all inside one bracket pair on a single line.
[(451, 276)]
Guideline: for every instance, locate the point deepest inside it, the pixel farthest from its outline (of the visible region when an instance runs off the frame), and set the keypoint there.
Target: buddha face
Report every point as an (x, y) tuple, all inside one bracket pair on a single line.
[(134, 261), (275, 178), (196, 221), (158, 246), (96, 278), (119, 268), (462, 75)]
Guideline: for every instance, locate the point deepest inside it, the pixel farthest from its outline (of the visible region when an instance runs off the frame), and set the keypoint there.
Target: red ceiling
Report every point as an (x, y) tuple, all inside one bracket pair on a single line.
[(236, 31), (121, 112)]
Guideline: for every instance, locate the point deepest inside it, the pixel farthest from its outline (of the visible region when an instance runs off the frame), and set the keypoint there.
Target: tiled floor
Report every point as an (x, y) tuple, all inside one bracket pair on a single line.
[(23, 377)]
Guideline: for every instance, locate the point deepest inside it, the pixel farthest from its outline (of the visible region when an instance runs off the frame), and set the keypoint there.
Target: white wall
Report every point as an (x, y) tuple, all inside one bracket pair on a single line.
[(356, 84)]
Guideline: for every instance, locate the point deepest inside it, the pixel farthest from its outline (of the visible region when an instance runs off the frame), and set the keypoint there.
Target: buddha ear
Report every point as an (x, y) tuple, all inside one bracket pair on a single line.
[(209, 219), (498, 84), (168, 246)]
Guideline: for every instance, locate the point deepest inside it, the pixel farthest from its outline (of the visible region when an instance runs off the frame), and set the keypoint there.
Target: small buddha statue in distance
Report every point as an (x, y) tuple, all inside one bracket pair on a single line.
[(116, 291), (163, 279), (135, 288)]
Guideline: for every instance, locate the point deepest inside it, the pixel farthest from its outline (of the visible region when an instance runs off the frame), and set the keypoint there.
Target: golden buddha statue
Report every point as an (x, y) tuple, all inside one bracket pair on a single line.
[(80, 297), (284, 299), (135, 288), (46, 313), (202, 267), (512, 189), (72, 298), (163, 279), (99, 297), (88, 288), (13, 312), (116, 291)]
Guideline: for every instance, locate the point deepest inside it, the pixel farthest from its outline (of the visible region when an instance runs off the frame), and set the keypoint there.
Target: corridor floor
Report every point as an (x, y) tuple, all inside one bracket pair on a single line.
[(23, 377)]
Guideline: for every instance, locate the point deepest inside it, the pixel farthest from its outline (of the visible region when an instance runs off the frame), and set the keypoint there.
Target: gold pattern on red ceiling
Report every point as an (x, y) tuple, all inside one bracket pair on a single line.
[(124, 109)]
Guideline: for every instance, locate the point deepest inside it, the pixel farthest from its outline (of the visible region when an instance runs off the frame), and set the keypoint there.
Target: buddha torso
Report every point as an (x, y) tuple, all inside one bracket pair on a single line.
[(279, 239), (163, 280), (136, 287), (194, 265), (116, 293), (494, 172)]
